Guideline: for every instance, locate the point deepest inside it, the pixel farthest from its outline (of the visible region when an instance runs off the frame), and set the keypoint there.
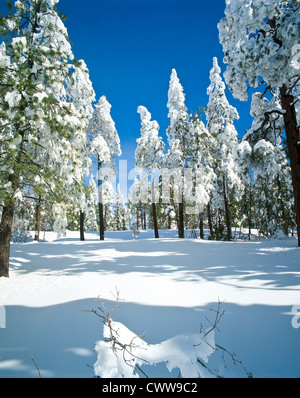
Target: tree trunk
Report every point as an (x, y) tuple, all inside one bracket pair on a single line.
[(105, 210), (81, 225), (137, 216), (250, 212), (6, 226), (101, 220), (118, 218), (209, 221), (293, 143), (141, 215), (5, 234), (201, 229), (38, 220), (155, 227), (144, 219), (180, 208), (180, 220), (227, 211), (100, 202), (169, 219)]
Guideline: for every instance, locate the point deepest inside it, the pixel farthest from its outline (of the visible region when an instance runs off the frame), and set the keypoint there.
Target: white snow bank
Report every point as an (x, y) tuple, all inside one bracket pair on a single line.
[(122, 350), (167, 287)]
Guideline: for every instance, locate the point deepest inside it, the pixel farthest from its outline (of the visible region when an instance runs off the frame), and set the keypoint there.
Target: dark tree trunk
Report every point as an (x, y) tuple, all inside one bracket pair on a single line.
[(137, 216), (209, 221), (144, 221), (250, 212), (6, 227), (180, 220), (293, 144), (38, 220), (181, 211), (227, 211), (5, 235), (155, 227), (201, 229), (118, 219), (81, 225), (100, 202), (101, 221), (155, 220), (169, 219), (141, 215)]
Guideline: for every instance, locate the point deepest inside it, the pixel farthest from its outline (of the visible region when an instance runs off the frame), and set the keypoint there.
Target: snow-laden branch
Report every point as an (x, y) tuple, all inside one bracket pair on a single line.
[(122, 353)]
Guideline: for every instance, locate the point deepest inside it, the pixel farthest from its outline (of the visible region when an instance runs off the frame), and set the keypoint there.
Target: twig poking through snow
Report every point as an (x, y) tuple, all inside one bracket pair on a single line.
[(122, 353), (36, 366)]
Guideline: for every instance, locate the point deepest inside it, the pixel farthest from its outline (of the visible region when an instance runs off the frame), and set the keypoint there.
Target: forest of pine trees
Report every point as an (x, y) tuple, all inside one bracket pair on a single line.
[(58, 147), (206, 178)]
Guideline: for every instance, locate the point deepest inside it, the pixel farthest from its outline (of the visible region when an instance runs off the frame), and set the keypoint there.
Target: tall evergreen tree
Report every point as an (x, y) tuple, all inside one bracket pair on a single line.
[(260, 41), (149, 153), (220, 123), (42, 120), (120, 211), (180, 133), (105, 144), (201, 165)]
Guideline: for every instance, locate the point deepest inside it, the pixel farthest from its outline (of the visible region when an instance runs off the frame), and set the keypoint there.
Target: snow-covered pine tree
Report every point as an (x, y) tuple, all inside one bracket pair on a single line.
[(42, 123), (90, 205), (105, 144), (220, 117), (270, 166), (261, 46), (134, 203), (149, 153), (120, 211), (82, 102), (243, 159), (108, 199), (201, 165), (180, 133)]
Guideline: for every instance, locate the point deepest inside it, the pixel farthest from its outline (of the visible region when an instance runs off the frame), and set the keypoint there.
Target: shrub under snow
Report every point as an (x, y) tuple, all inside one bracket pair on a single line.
[(122, 352)]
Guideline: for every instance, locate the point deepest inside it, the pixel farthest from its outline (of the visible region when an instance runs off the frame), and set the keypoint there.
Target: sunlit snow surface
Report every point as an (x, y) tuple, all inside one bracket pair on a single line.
[(168, 287)]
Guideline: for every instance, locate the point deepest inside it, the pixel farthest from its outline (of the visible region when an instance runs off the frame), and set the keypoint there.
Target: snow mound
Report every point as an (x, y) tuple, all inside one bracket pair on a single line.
[(122, 351)]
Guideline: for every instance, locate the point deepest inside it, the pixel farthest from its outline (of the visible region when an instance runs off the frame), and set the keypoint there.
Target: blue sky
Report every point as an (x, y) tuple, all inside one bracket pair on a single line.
[(130, 48)]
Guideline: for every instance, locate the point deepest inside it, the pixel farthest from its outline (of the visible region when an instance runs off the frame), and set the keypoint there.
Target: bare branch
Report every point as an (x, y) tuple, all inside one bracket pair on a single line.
[(36, 366), (217, 318), (293, 85)]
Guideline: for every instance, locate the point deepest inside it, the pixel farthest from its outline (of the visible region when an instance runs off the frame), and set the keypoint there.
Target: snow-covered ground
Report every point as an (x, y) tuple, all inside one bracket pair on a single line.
[(168, 287)]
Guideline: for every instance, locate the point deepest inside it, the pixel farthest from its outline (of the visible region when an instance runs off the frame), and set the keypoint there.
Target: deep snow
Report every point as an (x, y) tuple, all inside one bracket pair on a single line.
[(168, 287)]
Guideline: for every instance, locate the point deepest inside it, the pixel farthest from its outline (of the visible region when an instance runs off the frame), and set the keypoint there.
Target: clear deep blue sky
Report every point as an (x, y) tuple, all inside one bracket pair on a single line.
[(130, 48)]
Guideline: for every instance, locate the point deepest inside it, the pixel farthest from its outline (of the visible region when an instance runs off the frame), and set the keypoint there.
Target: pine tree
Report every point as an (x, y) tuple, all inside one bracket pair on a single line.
[(134, 203), (120, 211), (90, 205), (43, 121), (202, 167), (261, 46), (105, 144), (180, 140), (243, 159), (220, 117), (148, 154)]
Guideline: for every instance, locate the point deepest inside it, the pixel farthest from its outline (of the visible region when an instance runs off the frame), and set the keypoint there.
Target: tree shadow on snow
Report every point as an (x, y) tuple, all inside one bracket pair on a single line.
[(252, 264), (61, 338)]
